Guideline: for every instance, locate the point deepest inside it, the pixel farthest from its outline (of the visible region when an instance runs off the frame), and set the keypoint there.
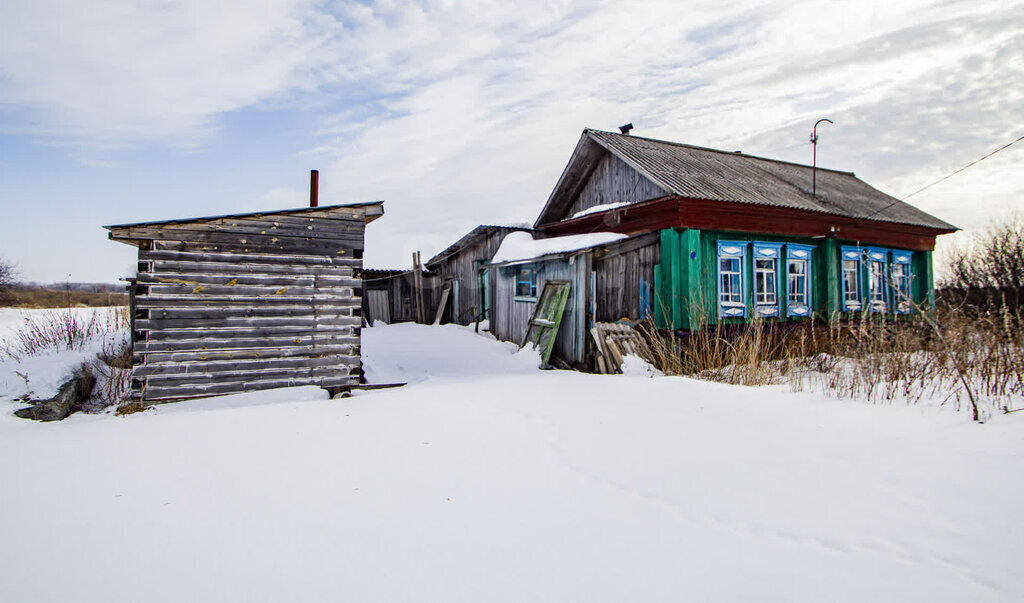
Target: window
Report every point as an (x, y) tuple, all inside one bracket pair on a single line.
[(901, 282), (798, 280), (526, 283), (877, 289), (731, 301), (766, 278), (851, 278)]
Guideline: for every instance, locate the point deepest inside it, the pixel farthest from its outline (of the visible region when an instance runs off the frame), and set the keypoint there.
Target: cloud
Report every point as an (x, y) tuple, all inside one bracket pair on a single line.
[(479, 132), (459, 113), (110, 73)]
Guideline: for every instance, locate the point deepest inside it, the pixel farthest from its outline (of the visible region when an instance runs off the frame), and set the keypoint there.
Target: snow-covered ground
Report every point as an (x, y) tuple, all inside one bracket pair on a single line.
[(493, 481)]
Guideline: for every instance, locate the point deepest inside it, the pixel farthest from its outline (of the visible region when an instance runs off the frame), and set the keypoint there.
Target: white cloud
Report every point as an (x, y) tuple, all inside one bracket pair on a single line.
[(111, 73), (459, 113)]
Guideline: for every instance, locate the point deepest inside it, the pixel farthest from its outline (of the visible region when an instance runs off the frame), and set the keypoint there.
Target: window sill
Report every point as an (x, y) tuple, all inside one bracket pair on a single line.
[(530, 300)]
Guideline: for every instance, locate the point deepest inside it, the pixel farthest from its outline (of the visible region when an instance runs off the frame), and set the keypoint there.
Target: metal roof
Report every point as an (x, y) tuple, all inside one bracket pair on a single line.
[(702, 173)]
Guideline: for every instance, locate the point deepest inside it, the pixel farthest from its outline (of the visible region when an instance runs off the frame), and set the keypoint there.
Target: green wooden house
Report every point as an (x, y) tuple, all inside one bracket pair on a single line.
[(739, 237)]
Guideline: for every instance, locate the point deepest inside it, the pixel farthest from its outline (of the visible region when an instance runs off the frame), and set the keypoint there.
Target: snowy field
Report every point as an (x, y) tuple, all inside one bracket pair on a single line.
[(488, 480)]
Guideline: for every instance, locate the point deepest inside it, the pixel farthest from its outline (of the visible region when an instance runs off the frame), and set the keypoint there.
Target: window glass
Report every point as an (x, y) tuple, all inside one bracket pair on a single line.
[(526, 283), (730, 292), (764, 280), (851, 284), (796, 288)]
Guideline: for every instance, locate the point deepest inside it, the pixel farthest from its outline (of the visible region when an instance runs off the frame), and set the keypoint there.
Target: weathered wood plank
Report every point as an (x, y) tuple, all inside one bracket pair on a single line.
[(337, 229), (252, 291), (304, 248), (221, 366), (175, 380), (262, 259), (241, 343), (255, 353), (202, 334), (265, 269), (241, 279), (184, 391), (245, 323), (181, 301), (216, 312), (232, 237)]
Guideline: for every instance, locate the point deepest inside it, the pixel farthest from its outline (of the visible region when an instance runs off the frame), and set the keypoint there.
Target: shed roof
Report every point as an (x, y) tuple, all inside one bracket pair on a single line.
[(468, 239), (702, 173), (375, 209)]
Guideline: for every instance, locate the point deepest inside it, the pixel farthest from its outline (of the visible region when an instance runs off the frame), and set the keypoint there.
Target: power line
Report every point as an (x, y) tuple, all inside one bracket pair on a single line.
[(976, 161), (946, 177)]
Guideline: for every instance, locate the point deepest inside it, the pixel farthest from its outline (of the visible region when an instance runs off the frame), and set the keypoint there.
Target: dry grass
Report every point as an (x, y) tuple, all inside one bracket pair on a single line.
[(56, 298), (950, 354), (128, 408)]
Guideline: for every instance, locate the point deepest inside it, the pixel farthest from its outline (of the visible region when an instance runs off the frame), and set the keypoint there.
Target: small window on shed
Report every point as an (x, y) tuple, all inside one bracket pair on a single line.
[(526, 282)]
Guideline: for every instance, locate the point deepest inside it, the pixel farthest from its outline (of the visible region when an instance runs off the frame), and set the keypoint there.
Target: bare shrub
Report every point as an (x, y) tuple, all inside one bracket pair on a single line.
[(61, 330), (990, 271)]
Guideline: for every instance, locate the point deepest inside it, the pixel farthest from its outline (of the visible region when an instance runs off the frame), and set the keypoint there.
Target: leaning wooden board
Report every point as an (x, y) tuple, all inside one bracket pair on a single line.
[(547, 316)]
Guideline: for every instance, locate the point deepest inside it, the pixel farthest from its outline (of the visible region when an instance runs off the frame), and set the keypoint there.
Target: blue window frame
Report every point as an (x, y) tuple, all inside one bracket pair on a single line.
[(798, 280), (767, 301), (901, 275), (851, 268), (526, 283), (731, 281), (878, 287)]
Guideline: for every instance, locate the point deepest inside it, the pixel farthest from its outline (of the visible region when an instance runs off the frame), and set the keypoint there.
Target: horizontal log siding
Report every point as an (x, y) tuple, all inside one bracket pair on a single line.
[(245, 304)]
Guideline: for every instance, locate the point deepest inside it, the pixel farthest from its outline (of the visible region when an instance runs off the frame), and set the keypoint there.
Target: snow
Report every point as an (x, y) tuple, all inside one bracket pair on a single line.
[(599, 208), (486, 479), (521, 247)]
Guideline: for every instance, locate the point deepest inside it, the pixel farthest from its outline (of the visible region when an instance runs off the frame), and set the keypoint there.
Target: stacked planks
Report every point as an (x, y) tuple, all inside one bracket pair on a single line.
[(242, 303)]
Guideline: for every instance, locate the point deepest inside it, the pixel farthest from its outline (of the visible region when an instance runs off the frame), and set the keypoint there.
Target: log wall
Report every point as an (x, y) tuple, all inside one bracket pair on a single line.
[(240, 304)]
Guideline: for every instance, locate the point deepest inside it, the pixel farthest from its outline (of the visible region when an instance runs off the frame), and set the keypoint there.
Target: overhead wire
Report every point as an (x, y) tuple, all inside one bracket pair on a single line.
[(947, 176)]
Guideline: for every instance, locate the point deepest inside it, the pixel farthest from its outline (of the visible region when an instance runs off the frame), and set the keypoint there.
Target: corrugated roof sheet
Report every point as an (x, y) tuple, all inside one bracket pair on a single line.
[(702, 173)]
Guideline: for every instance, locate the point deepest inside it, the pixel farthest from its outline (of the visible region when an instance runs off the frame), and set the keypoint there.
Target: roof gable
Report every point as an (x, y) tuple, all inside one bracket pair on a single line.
[(700, 173)]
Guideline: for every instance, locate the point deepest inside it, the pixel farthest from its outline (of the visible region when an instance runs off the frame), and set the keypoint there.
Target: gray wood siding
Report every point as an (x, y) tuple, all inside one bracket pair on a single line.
[(619, 273), (462, 265), (613, 181), (242, 304), (510, 318)]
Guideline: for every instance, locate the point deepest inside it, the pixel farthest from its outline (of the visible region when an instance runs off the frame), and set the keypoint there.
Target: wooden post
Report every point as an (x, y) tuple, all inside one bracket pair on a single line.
[(417, 286)]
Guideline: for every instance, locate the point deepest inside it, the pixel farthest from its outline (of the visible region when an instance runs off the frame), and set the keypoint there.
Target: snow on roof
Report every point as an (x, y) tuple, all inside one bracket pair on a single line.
[(599, 208), (521, 247)]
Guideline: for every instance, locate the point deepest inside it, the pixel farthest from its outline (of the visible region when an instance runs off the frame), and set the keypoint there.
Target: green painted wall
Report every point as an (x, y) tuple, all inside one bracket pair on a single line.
[(685, 282)]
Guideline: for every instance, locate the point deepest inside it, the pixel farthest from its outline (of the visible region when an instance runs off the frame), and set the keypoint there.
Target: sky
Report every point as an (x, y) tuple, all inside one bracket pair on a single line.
[(462, 113)]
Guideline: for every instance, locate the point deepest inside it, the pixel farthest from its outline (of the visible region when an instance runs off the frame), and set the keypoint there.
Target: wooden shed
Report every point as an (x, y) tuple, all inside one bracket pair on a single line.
[(462, 267), (227, 304), (610, 278)]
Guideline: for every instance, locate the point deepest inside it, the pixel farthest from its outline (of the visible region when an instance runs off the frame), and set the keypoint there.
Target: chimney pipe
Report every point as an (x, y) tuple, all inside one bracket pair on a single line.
[(314, 187)]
